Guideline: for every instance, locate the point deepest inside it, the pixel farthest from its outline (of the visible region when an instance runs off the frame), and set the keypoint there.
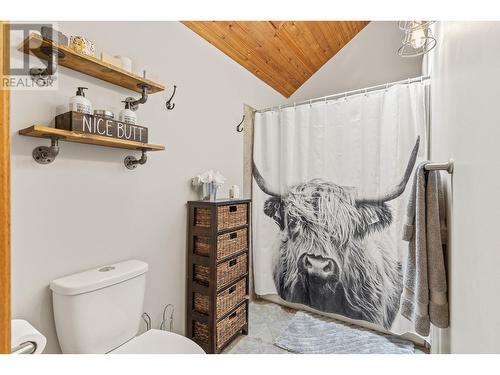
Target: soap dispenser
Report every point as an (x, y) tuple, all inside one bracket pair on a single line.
[(79, 103), (126, 115)]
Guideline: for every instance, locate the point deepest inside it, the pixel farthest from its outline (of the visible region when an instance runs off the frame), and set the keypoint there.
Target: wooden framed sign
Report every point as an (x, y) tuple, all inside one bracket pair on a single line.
[(90, 124)]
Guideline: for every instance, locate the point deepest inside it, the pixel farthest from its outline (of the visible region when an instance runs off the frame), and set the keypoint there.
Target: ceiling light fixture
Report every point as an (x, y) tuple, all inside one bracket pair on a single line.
[(418, 38)]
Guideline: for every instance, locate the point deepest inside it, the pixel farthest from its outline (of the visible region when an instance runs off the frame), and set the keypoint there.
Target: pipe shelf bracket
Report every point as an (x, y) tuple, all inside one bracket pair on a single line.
[(131, 162), (46, 155)]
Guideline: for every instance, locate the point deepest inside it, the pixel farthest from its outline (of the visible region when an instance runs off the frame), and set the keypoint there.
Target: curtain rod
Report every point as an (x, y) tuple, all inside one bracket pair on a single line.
[(347, 93)]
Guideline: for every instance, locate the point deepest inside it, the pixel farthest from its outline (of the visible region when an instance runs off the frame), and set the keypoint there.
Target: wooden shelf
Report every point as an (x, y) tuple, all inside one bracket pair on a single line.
[(88, 65), (40, 131)]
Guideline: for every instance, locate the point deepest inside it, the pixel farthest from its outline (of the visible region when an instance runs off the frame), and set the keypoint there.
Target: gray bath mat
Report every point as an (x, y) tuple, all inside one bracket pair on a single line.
[(312, 334)]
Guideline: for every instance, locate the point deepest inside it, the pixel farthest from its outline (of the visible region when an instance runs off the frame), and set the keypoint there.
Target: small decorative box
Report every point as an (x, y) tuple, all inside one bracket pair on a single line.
[(82, 45)]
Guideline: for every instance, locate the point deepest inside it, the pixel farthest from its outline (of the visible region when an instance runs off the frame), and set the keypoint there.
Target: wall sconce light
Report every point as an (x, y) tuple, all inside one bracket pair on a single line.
[(418, 38)]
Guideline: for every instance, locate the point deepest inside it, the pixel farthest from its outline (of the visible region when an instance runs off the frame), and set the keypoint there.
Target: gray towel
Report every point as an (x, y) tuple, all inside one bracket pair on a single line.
[(424, 299)]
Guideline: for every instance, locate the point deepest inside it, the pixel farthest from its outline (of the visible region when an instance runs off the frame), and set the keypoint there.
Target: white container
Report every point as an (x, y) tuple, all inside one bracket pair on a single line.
[(110, 59), (127, 116), (125, 62), (79, 103), (234, 192), (96, 311)]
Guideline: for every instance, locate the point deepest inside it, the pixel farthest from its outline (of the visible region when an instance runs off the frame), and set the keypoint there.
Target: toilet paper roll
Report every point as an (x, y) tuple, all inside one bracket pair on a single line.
[(22, 331), (125, 62)]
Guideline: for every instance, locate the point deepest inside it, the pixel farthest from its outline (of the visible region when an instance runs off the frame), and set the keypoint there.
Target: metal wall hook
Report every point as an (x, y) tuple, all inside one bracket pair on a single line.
[(239, 127), (169, 103), (131, 162), (46, 155)]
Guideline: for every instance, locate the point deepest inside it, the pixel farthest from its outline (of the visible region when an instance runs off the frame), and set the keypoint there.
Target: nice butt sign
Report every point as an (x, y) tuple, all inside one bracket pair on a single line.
[(90, 124)]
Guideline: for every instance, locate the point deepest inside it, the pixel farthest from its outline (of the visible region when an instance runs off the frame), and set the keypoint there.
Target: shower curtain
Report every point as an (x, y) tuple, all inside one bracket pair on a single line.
[(331, 183)]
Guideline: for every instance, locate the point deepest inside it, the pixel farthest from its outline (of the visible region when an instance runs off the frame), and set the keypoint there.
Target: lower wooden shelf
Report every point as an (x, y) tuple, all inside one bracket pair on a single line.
[(40, 131)]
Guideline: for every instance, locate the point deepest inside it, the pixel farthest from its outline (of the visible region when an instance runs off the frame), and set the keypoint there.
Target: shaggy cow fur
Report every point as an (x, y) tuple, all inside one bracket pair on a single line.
[(322, 219), (355, 272)]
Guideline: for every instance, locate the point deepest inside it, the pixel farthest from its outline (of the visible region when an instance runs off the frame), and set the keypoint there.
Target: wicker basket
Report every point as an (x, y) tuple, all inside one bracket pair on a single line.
[(230, 325), (202, 245), (227, 271), (202, 217), (230, 216), (226, 300), (227, 244), (226, 328), (200, 333)]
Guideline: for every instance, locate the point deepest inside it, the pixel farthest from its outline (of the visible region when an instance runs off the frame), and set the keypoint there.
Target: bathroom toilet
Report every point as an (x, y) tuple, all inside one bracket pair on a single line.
[(99, 311)]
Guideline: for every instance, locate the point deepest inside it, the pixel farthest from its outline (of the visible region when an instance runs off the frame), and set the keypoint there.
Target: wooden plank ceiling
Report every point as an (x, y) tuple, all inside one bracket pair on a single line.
[(284, 54)]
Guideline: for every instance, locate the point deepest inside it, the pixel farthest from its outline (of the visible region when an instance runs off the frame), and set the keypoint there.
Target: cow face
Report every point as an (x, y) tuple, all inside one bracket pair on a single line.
[(318, 220)]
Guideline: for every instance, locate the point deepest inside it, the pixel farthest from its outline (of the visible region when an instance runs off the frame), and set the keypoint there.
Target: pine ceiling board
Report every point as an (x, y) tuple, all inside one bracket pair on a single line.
[(229, 45), (305, 52), (328, 46), (264, 51), (265, 34), (307, 46), (286, 43), (203, 28), (284, 54)]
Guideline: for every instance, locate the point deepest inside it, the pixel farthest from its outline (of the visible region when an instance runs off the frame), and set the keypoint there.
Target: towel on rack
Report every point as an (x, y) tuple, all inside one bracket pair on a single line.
[(424, 299)]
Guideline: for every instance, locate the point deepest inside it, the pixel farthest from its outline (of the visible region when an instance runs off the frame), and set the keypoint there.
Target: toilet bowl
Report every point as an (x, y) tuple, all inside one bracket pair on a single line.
[(99, 311), (156, 341)]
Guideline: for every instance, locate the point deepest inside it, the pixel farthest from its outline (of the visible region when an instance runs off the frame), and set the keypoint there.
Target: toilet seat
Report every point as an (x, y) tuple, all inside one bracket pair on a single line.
[(156, 341)]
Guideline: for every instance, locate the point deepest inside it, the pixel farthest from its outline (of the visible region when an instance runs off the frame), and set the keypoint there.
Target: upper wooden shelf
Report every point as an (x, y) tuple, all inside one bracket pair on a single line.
[(40, 131), (88, 65)]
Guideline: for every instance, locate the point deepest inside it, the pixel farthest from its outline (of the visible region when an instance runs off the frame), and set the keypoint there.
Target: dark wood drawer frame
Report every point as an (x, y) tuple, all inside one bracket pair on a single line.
[(211, 261)]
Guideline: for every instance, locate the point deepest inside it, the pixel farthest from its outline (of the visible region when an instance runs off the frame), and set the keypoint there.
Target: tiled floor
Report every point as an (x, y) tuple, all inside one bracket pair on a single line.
[(266, 321)]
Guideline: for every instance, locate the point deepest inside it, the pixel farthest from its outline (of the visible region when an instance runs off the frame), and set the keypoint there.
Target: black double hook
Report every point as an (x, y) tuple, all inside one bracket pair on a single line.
[(239, 127), (169, 103)]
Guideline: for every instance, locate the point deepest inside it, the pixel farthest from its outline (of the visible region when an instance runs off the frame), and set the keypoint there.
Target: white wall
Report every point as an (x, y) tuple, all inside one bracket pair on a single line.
[(86, 209), (369, 59), (465, 92)]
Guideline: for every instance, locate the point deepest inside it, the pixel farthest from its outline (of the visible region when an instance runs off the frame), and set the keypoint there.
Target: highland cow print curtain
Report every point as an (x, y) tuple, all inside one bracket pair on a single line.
[(330, 188)]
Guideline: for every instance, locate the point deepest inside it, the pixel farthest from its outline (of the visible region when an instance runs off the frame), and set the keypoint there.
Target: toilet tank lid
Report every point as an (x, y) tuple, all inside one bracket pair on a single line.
[(98, 278)]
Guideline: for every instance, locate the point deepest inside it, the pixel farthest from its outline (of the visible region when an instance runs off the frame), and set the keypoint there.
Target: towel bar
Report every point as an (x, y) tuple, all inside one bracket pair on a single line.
[(448, 167), (28, 347)]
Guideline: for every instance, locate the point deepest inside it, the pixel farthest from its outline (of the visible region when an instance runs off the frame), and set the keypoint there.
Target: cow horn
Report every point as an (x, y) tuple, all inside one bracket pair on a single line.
[(400, 188), (262, 183)]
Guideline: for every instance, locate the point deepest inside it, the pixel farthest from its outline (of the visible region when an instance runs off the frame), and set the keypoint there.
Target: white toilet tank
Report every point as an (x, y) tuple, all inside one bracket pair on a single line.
[(96, 311)]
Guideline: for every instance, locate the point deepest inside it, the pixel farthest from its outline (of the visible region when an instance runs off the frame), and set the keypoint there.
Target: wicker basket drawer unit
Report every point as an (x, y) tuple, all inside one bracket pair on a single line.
[(227, 244), (226, 300), (226, 273), (226, 328), (227, 216), (217, 277)]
